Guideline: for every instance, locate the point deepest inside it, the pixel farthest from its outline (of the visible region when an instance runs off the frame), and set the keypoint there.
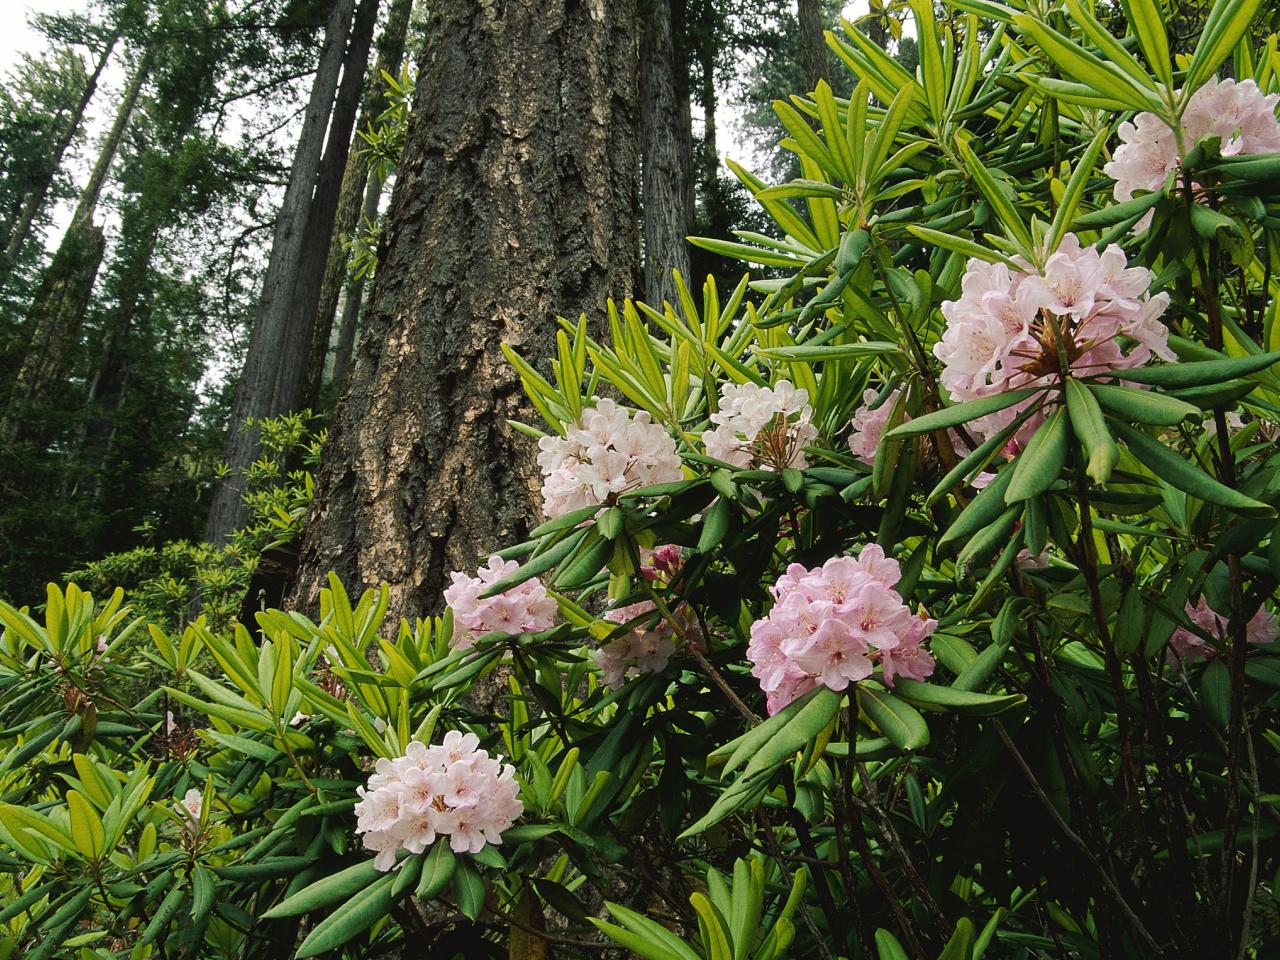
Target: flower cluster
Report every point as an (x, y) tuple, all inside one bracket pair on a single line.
[(830, 625), (642, 649), (868, 423), (452, 789), (1011, 328), (762, 426), (525, 608), (1236, 112), (609, 452), (1262, 628)]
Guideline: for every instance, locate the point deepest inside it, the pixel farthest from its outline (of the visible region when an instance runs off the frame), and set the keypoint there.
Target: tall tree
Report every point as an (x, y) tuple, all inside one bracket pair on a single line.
[(19, 230), (354, 203), (667, 198), (57, 311), (515, 201), (813, 45), (256, 392)]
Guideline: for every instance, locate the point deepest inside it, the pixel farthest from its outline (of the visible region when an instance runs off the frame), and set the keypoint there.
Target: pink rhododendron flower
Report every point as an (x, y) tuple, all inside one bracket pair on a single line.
[(610, 452), (525, 608), (1236, 112), (1009, 326), (867, 425), (643, 649), (767, 427), (661, 563), (451, 789), (1262, 628), (832, 624)]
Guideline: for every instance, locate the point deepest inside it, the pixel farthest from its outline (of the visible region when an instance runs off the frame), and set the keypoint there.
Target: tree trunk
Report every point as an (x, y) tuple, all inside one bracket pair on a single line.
[(303, 305), (515, 201), (57, 310), (666, 178), (813, 45), (355, 295), (710, 154), (350, 208), (256, 392), (34, 202)]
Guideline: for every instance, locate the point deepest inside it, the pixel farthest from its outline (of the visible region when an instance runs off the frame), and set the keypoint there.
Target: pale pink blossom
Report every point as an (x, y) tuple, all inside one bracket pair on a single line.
[(525, 608), (191, 806), (645, 648), (453, 789), (832, 624), (1237, 112), (610, 451), (867, 426), (1010, 328), (765, 427), (1261, 629)]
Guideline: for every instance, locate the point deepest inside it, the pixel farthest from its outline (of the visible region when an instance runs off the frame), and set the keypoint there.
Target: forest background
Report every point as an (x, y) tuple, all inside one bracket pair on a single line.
[(148, 152)]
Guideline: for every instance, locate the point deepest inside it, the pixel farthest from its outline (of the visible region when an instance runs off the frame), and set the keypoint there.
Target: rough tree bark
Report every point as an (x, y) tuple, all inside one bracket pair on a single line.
[(35, 200), (57, 309), (710, 153), (351, 210), (515, 201), (665, 195), (813, 45), (255, 394)]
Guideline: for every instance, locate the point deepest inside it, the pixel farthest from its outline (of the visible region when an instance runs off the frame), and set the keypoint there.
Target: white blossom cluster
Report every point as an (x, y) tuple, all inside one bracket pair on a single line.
[(451, 789), (610, 452), (766, 427)]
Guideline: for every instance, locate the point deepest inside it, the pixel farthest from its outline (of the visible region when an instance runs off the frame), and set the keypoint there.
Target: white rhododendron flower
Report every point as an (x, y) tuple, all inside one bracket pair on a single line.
[(761, 426), (611, 451), (452, 789), (643, 649)]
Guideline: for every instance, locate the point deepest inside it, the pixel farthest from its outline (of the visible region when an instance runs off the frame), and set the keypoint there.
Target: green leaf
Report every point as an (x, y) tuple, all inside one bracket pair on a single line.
[(1198, 373), (587, 563), (961, 413), (888, 947), (437, 871), (954, 700), (895, 718), (327, 890), (86, 826), (997, 194), (976, 672), (643, 936), (715, 524), (982, 510), (1091, 430), (1041, 463), (1083, 66), (1215, 693), (352, 918), (1117, 212), (960, 945), (1171, 468), (957, 244), (538, 565), (1143, 406), (1145, 18), (835, 351), (468, 889), (1076, 187), (1226, 24)]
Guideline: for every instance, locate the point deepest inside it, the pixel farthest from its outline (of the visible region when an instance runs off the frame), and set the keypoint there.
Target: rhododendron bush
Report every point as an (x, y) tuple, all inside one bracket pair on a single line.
[(916, 597)]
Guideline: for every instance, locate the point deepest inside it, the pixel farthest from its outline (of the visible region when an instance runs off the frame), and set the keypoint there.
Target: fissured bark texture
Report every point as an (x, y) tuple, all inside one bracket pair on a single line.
[(515, 203)]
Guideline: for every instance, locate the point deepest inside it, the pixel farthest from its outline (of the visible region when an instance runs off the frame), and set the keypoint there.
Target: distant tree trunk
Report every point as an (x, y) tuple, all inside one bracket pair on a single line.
[(350, 208), (34, 202), (813, 45), (256, 391), (355, 295), (303, 305), (665, 193), (515, 201), (57, 310), (710, 153)]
